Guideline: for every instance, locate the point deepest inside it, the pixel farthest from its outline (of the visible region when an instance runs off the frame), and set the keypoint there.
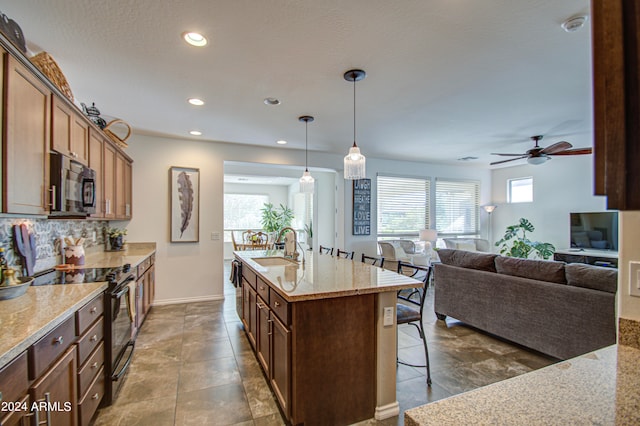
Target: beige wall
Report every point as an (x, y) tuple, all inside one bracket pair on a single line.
[(629, 306)]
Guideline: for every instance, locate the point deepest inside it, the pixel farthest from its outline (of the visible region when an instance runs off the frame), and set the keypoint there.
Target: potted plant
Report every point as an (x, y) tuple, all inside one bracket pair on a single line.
[(275, 218), (515, 243), (116, 238)]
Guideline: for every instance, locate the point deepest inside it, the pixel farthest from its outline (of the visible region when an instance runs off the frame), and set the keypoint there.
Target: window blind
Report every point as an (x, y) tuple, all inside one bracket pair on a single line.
[(403, 205), (457, 207)]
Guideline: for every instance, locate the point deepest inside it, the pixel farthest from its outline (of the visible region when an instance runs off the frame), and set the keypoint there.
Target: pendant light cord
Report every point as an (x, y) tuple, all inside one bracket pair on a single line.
[(306, 142), (354, 110)]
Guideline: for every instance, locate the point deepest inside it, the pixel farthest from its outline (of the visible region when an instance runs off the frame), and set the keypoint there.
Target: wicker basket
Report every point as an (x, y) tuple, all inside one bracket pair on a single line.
[(122, 127), (50, 68)]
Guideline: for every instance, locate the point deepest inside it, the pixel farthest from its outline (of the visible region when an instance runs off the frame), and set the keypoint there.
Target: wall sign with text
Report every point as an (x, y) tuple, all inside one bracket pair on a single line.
[(362, 207)]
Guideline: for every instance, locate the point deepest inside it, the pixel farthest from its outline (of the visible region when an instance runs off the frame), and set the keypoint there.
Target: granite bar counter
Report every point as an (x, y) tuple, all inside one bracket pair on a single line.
[(323, 276), (599, 388), (27, 318)]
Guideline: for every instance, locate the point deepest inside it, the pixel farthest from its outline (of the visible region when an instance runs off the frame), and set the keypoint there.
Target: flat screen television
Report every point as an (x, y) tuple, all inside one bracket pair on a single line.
[(594, 230)]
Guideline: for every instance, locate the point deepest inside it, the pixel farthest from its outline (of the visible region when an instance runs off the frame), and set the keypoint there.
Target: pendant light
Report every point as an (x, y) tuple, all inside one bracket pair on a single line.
[(306, 181), (354, 162)]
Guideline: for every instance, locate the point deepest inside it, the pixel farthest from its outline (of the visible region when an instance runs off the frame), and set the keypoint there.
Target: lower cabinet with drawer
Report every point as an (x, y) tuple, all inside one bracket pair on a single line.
[(14, 388), (90, 352)]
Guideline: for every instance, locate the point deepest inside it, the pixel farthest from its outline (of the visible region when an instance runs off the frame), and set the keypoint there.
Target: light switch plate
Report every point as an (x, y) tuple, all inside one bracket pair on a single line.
[(634, 278), (215, 236), (388, 317)]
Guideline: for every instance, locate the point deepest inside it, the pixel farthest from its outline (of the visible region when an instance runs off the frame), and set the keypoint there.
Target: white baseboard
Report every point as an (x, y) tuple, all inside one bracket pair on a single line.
[(387, 411), (188, 300)]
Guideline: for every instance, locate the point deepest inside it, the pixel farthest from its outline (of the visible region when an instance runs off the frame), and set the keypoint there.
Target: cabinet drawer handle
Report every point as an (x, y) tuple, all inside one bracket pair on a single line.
[(95, 396), (276, 304), (58, 340), (94, 338), (94, 365), (93, 310), (261, 288)]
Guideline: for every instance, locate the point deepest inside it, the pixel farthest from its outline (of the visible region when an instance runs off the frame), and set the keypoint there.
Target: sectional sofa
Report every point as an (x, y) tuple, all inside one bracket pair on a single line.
[(559, 309)]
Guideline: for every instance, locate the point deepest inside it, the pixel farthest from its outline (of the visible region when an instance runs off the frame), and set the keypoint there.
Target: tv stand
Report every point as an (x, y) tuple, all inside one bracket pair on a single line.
[(607, 258)]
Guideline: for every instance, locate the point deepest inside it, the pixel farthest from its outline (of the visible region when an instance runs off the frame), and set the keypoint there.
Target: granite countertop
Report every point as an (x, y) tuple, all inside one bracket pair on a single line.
[(27, 318), (324, 276), (596, 388), (133, 253)]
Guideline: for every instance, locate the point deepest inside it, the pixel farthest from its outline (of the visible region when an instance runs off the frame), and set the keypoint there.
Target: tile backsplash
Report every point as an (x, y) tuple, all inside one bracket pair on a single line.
[(47, 237)]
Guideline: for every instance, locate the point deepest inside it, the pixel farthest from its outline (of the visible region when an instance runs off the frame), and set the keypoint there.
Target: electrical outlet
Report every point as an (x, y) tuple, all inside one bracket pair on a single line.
[(215, 236), (634, 278), (388, 316)]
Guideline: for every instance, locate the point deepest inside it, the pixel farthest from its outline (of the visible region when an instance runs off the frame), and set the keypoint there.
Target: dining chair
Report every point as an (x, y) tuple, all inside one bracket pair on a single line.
[(233, 242), (326, 250), (345, 254), (371, 260), (260, 241), (409, 310)]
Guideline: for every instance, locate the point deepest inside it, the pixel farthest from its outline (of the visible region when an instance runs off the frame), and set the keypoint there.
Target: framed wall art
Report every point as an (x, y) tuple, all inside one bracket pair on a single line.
[(184, 188)]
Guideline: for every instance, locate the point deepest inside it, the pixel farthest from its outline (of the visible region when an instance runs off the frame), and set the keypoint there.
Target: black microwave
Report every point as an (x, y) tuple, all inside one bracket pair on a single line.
[(73, 187)]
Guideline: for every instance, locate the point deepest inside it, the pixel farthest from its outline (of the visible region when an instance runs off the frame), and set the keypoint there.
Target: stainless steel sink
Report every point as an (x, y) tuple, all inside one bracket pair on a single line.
[(274, 261)]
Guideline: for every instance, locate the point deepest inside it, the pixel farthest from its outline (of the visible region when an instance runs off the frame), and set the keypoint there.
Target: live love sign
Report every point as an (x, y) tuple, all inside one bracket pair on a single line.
[(362, 207)]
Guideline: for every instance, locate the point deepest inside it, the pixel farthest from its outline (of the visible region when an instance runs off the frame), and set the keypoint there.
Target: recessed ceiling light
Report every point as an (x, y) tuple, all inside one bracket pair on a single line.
[(195, 133), (281, 142), (195, 101), (272, 101), (195, 39)]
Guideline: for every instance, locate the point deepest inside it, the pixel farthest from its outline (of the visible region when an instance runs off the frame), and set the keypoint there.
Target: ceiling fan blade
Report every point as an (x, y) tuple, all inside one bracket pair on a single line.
[(577, 151), (509, 155), (506, 161), (556, 147)]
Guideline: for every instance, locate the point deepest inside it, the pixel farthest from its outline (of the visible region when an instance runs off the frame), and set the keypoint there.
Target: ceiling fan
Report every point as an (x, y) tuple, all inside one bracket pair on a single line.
[(540, 155)]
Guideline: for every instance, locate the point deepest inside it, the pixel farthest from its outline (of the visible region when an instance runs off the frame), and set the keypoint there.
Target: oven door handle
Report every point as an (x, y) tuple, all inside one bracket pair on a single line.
[(115, 376), (122, 292)]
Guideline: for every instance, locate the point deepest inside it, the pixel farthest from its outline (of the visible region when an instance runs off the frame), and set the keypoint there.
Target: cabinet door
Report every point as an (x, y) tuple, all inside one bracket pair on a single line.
[(69, 131), (57, 388), (280, 363), (250, 314), (96, 162), (263, 332), (140, 310), (25, 160), (128, 170), (149, 285), (18, 417), (109, 181)]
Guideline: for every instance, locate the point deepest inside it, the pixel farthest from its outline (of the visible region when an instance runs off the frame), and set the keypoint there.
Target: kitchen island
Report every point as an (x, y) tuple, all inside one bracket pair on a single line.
[(319, 332)]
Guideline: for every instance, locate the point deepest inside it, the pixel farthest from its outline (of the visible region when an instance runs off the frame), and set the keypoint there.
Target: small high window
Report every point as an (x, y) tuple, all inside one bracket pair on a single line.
[(520, 190)]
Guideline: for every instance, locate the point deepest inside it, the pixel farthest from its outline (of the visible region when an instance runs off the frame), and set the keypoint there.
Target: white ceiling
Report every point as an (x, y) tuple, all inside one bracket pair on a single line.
[(446, 78)]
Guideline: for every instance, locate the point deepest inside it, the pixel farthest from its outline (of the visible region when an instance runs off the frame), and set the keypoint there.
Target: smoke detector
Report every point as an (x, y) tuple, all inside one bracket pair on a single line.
[(574, 23)]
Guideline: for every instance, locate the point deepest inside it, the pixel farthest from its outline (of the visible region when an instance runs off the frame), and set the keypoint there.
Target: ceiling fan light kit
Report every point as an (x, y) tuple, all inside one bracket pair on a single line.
[(354, 161)]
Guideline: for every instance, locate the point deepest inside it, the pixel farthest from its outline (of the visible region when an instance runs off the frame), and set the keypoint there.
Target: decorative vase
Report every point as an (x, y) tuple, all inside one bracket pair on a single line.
[(74, 255), (116, 242)]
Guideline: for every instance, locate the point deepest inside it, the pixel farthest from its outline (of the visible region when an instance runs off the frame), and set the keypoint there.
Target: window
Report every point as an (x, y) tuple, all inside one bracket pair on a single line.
[(520, 190), (457, 207), (242, 212), (403, 205)]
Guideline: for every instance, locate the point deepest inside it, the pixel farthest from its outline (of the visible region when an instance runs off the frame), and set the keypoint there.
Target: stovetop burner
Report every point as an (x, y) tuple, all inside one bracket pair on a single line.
[(80, 276)]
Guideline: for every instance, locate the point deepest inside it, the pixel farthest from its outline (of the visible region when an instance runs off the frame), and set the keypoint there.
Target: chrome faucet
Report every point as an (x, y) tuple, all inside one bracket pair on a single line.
[(290, 245)]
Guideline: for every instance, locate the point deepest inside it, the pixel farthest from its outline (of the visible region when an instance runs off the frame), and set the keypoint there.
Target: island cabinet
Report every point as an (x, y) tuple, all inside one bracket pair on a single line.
[(319, 356), (69, 131), (26, 121)]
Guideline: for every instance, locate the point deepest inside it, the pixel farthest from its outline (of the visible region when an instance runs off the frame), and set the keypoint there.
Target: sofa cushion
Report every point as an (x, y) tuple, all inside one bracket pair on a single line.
[(593, 277), (468, 259), (541, 270)]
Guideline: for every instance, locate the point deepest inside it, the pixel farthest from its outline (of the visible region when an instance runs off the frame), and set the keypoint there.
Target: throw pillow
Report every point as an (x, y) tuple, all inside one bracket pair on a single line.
[(541, 270), (593, 277), (599, 244), (468, 259)]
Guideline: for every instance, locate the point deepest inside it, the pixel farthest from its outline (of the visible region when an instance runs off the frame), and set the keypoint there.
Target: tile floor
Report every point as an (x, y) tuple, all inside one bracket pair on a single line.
[(194, 366)]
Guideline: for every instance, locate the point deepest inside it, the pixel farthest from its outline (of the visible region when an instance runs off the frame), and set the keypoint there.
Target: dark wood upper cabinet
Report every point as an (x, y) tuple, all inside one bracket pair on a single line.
[(616, 81)]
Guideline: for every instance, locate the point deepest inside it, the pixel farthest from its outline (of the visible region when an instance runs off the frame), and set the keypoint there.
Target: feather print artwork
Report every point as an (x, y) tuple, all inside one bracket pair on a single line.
[(185, 194)]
